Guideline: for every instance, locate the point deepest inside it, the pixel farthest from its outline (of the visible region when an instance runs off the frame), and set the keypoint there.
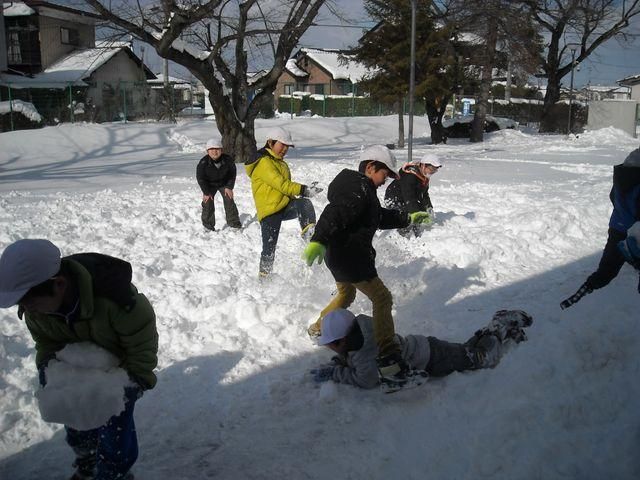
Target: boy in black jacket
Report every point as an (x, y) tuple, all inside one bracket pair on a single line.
[(344, 233), (216, 172)]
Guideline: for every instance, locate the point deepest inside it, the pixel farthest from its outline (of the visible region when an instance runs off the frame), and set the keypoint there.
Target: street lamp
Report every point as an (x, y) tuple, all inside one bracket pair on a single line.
[(573, 47), (412, 76)]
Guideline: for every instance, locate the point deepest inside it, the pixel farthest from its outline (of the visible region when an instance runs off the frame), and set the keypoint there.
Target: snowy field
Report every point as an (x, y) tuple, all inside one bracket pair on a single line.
[(521, 220)]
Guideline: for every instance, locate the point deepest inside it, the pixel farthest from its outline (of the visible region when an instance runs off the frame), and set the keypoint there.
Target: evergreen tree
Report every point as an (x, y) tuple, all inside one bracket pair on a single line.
[(386, 49)]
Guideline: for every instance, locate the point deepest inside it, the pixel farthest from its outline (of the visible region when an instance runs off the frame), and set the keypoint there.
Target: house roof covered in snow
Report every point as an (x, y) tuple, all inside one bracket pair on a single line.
[(47, 9), (73, 69), (16, 9), (330, 60), (630, 81)]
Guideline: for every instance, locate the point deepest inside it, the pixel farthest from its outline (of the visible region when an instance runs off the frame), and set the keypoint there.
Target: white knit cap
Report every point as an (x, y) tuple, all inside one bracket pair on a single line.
[(281, 135), (379, 153), (214, 143), (25, 264), (335, 325), (430, 159)]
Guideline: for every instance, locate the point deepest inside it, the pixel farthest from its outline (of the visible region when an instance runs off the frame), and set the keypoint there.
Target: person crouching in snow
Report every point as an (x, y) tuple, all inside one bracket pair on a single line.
[(277, 197), (85, 298), (352, 338), (344, 234), (625, 197), (216, 172), (409, 193)]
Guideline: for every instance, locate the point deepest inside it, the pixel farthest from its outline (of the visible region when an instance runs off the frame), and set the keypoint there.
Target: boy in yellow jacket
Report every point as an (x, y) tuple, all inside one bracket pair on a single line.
[(276, 196)]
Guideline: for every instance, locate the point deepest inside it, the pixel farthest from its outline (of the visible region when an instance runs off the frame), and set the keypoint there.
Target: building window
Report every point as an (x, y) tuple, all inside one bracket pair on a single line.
[(319, 88), (69, 36), (13, 50), (288, 88)]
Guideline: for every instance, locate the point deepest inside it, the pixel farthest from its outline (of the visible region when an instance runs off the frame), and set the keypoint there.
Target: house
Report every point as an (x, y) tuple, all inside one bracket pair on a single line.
[(54, 62), (633, 82), (605, 92), (320, 71)]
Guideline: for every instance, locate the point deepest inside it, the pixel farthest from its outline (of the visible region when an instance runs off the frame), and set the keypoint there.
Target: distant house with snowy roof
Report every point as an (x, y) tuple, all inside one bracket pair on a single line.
[(633, 82), (320, 71), (52, 47)]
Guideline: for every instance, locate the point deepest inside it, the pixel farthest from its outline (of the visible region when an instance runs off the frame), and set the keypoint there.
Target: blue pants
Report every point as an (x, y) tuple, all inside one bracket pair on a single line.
[(302, 208), (109, 451)]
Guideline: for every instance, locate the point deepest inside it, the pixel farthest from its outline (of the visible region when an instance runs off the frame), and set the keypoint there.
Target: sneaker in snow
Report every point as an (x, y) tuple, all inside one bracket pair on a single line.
[(508, 324), (396, 375), (308, 231), (314, 332), (484, 350)]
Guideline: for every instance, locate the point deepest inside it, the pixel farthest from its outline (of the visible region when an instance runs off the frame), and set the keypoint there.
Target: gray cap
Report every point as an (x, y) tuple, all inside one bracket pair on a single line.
[(25, 264)]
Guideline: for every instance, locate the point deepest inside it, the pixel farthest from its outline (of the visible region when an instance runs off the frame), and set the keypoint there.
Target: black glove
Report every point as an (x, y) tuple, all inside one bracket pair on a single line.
[(134, 391), (584, 289)]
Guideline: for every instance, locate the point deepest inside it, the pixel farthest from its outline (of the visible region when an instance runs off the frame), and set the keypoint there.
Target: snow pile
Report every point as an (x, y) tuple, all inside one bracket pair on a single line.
[(84, 387), (25, 108), (521, 221), (185, 144)]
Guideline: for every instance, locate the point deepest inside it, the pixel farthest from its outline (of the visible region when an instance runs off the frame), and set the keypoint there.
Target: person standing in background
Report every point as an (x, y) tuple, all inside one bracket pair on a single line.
[(216, 172)]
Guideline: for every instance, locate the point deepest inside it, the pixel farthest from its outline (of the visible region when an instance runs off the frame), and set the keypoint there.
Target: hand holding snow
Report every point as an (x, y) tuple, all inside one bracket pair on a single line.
[(85, 387)]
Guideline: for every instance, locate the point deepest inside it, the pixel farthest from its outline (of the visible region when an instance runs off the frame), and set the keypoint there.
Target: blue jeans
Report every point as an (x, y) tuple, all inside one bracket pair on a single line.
[(300, 208), (109, 451)]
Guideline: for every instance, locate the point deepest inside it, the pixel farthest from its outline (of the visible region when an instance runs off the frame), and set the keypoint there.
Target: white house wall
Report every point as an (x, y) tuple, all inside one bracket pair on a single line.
[(51, 44)]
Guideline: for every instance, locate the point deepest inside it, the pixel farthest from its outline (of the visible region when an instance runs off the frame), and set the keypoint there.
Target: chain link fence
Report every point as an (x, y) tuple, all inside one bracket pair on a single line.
[(51, 104)]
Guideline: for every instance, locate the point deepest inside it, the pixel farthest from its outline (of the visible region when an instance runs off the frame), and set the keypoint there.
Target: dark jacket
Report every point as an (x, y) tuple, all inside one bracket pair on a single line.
[(625, 196), (129, 333), (348, 223), (410, 192), (212, 176)]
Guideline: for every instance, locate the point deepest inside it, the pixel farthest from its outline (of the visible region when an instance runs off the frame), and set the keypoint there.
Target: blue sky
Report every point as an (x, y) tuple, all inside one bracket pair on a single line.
[(612, 61)]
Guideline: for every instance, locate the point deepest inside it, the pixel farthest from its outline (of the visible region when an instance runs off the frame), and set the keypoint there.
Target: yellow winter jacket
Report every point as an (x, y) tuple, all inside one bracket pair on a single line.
[(271, 183)]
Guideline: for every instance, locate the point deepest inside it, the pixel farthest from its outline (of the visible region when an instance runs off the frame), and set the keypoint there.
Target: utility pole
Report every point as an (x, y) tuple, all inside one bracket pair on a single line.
[(573, 47), (412, 77)]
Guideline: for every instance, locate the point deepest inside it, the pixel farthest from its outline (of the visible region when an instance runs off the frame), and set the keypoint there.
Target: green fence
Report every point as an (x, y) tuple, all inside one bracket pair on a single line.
[(100, 102), (341, 106)]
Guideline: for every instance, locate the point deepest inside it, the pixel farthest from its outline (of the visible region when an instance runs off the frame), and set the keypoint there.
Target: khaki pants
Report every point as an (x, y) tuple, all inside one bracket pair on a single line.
[(382, 302)]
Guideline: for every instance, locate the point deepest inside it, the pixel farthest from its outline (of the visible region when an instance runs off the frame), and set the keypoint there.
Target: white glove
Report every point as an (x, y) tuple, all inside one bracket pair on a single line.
[(312, 190)]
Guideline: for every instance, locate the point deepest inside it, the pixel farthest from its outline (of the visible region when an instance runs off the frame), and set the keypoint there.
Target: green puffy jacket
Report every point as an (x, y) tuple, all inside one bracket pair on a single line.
[(271, 183), (129, 335)]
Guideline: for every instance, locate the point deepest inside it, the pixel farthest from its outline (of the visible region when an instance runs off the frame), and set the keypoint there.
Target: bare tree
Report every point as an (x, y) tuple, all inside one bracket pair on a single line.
[(582, 24), (499, 29), (213, 40)]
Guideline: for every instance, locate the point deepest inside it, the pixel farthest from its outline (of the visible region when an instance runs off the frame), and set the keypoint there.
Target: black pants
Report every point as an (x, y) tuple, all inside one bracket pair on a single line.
[(230, 210), (447, 357)]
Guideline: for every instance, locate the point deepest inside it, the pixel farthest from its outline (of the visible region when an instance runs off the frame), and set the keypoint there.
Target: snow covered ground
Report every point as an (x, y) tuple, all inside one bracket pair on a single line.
[(521, 220)]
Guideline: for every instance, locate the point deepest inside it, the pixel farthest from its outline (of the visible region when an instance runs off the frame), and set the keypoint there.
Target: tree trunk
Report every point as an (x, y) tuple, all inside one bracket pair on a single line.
[(547, 121), (477, 127)]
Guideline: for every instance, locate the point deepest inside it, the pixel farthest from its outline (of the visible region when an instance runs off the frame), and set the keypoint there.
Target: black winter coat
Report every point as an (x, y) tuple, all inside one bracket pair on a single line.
[(348, 223), (410, 192), (212, 178)]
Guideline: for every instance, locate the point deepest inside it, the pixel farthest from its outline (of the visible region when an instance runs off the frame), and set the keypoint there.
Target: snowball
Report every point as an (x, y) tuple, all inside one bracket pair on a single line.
[(85, 387), (328, 392)]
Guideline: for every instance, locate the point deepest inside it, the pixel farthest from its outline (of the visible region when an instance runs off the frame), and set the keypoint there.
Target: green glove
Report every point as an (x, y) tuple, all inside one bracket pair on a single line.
[(314, 250), (420, 218)]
